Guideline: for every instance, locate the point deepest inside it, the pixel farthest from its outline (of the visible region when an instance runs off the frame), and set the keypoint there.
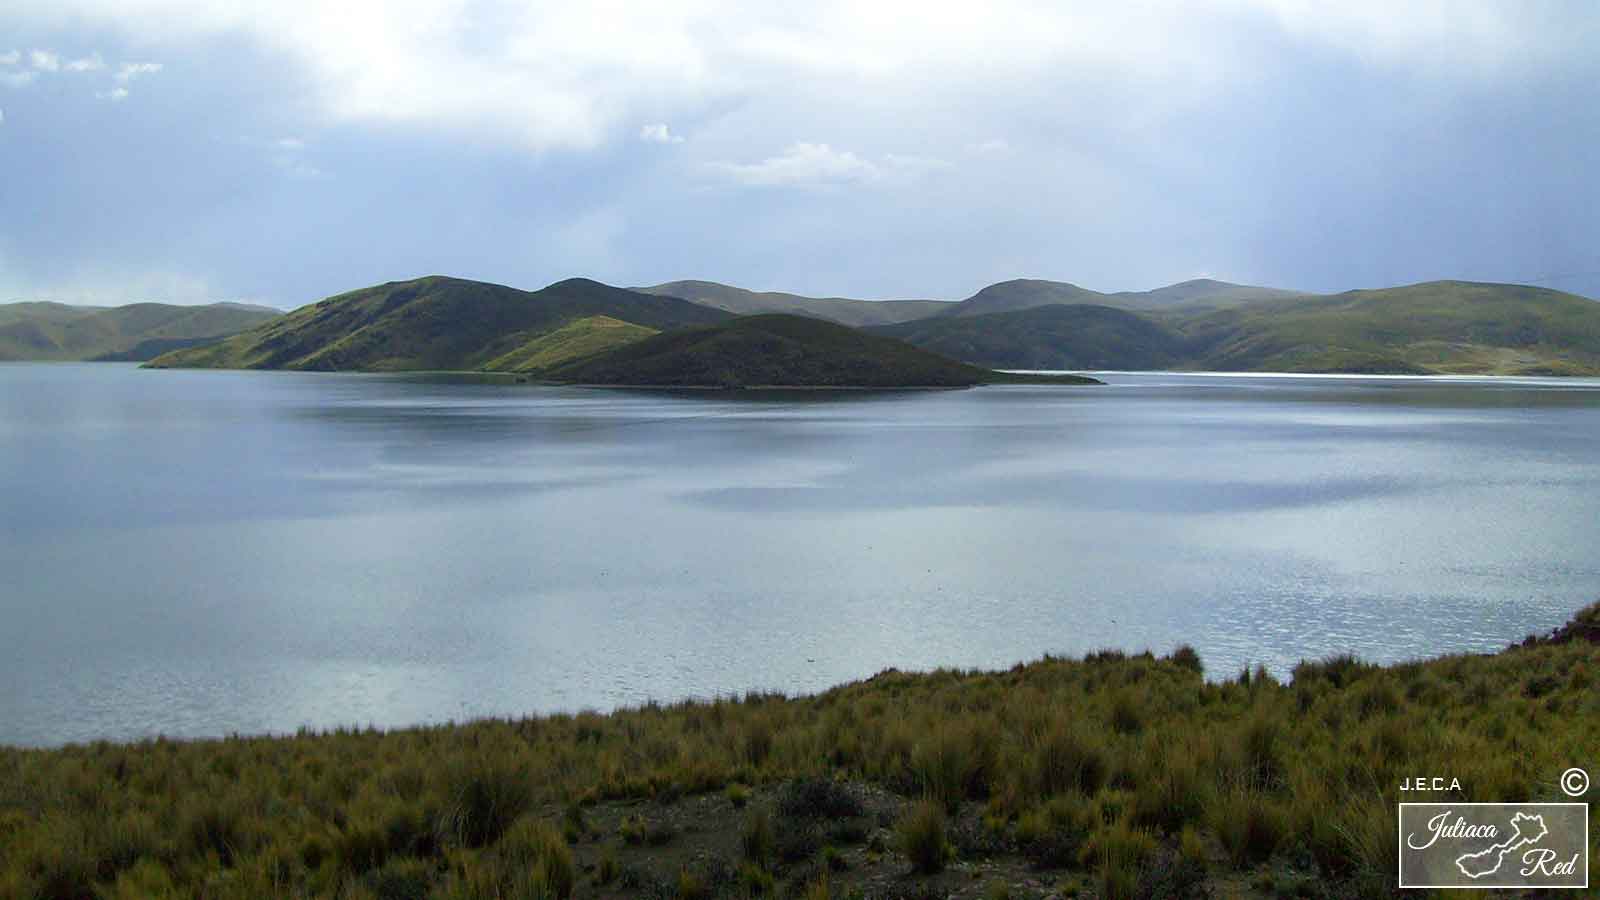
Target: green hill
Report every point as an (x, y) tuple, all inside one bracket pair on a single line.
[(1022, 293), (1048, 337), (436, 323), (1199, 292), (138, 331), (845, 311), (1441, 327), (1028, 293), (575, 340), (1455, 327), (774, 350)]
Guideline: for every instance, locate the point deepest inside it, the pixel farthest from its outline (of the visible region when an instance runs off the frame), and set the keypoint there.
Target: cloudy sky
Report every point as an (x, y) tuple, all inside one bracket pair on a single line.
[(282, 150)]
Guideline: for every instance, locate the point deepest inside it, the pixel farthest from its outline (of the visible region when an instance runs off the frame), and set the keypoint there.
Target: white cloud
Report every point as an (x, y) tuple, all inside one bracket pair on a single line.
[(819, 165), (10, 58), (2, 117), (92, 63), (114, 95), (572, 75), (659, 133), (991, 147), (17, 79), (44, 60), (290, 143), (130, 71)]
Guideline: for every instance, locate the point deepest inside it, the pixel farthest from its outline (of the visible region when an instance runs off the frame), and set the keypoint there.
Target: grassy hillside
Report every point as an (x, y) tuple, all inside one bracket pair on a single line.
[(1112, 776), (1199, 292), (1195, 295), (1048, 337), (773, 350), (845, 311), (56, 331), (575, 340), (1439, 327), (431, 323), (1022, 293)]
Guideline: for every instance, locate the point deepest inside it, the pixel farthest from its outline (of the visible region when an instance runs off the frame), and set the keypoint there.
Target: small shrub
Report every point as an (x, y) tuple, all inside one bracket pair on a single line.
[(1126, 716), (401, 879), (922, 837), (632, 829), (537, 851), (485, 800), (692, 886), (754, 881), (738, 795), (757, 839), (817, 798), (1249, 825), (1068, 759), (1186, 657)]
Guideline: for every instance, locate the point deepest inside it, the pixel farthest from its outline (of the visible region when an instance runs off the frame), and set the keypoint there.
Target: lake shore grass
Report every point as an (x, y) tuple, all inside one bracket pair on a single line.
[(1109, 776)]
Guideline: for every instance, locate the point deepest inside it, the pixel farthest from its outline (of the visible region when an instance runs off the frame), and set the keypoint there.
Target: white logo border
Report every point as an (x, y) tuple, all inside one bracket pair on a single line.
[(1400, 853)]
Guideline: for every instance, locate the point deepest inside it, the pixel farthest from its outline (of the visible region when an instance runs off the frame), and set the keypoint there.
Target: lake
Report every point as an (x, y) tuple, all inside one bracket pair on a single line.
[(202, 553)]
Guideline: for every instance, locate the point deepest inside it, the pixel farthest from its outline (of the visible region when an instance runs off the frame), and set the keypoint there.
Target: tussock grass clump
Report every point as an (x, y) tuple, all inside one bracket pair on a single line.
[(923, 837)]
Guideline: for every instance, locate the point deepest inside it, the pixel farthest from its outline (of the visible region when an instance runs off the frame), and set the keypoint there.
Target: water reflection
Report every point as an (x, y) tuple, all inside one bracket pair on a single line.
[(199, 553)]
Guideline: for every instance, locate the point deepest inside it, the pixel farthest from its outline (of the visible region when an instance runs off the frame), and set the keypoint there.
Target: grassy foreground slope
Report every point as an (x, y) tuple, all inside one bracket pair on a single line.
[(845, 311), (431, 323), (773, 350), (1111, 776), (138, 331)]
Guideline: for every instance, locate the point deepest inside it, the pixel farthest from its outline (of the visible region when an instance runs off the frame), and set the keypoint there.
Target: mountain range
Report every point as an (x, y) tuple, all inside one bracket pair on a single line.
[(43, 330), (438, 322)]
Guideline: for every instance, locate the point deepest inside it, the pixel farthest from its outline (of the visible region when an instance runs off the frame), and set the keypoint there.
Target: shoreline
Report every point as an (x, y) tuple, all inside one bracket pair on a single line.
[(1114, 775)]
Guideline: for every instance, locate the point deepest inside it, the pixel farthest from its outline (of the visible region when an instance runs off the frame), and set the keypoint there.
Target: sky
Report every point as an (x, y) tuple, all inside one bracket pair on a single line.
[(279, 151)]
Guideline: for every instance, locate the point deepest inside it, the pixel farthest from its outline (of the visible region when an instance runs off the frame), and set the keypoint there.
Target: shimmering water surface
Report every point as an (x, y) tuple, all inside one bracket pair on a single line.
[(199, 553)]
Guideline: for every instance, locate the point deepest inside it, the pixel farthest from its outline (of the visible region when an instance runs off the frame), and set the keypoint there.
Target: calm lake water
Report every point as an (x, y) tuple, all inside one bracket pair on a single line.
[(199, 553)]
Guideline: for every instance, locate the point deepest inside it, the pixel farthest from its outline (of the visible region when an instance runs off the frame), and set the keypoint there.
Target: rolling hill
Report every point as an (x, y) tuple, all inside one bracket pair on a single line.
[(1027, 293), (1444, 327), (440, 323), (845, 311), (777, 350), (1048, 337), (138, 331), (1441, 327)]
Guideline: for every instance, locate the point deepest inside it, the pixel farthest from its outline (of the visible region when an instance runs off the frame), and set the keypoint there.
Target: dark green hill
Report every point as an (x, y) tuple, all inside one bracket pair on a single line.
[(845, 311), (1048, 337), (1438, 327), (432, 323), (138, 331), (774, 350)]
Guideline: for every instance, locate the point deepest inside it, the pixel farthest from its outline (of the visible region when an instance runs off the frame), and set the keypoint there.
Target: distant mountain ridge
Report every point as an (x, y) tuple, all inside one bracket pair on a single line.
[(1027, 293), (844, 310), (50, 331), (439, 322), (1442, 327)]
